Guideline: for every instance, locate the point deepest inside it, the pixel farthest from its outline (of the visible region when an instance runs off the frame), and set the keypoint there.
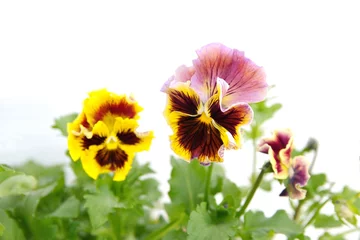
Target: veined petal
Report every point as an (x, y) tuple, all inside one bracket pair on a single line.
[(212, 63), (182, 74), (299, 176), (130, 140), (245, 79), (196, 137), (106, 106), (280, 170), (183, 99), (232, 119), (279, 148)]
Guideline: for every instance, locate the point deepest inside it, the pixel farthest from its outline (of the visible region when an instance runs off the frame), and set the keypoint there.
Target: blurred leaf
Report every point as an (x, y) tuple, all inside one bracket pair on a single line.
[(325, 221), (10, 229), (256, 222), (328, 236), (68, 209), (230, 189), (187, 184), (99, 206), (263, 111), (6, 168), (202, 226), (315, 182), (175, 235), (13, 183), (217, 179), (61, 122), (44, 174)]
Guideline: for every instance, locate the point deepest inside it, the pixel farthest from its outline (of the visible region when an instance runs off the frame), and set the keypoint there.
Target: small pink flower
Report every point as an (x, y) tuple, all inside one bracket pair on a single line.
[(295, 171)]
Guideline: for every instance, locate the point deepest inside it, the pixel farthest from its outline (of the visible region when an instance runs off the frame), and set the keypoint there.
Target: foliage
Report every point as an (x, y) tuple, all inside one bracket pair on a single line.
[(38, 202)]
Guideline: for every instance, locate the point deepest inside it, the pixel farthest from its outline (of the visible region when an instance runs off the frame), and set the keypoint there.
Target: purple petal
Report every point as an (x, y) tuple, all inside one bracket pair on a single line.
[(299, 175)]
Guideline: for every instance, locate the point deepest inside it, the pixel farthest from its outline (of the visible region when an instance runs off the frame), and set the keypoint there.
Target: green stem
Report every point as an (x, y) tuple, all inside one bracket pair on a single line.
[(160, 233), (297, 210), (253, 189), (207, 184), (316, 213)]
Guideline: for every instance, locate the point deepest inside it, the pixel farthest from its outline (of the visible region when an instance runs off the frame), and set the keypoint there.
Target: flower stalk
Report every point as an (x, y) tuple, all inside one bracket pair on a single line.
[(264, 170), (208, 184)]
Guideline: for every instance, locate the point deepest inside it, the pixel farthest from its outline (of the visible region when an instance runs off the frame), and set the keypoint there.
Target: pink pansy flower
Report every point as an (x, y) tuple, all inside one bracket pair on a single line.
[(295, 171), (208, 102)]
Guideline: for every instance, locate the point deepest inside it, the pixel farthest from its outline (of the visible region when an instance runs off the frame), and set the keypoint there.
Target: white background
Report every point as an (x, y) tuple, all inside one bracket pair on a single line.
[(53, 52)]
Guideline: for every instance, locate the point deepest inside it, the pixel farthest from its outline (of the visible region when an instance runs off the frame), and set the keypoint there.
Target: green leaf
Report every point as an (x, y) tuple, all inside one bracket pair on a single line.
[(325, 221), (202, 226), (257, 223), (187, 184), (61, 122), (68, 209), (6, 168), (217, 179), (45, 175), (315, 182), (10, 229), (175, 235), (232, 191), (99, 206), (263, 111), (16, 184), (328, 236), (2, 228)]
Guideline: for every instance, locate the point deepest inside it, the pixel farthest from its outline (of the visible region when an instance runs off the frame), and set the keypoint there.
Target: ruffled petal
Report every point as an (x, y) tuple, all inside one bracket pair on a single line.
[(247, 81), (78, 129), (279, 148), (182, 74), (231, 119), (106, 106), (183, 99), (299, 176), (212, 63), (195, 137), (130, 139)]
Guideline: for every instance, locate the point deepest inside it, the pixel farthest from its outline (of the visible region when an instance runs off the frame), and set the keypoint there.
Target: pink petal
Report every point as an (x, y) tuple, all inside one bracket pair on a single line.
[(245, 79), (182, 74)]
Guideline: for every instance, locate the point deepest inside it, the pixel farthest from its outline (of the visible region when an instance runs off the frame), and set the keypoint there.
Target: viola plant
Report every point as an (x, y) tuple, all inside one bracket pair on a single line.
[(214, 105)]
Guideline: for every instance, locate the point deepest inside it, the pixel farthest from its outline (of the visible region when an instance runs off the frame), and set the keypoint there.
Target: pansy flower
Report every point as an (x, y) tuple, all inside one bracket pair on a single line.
[(207, 103), (104, 134), (295, 171)]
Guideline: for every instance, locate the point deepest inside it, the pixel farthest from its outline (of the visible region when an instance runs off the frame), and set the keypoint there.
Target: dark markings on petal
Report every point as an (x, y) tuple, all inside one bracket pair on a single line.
[(182, 102), (229, 119), (201, 139), (300, 175), (121, 109), (84, 122), (95, 140), (128, 137), (284, 193), (112, 158)]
